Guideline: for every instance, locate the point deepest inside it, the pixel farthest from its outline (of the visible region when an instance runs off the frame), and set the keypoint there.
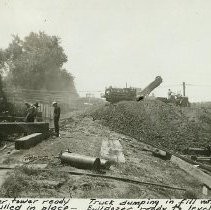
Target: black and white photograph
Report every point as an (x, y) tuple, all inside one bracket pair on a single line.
[(106, 99)]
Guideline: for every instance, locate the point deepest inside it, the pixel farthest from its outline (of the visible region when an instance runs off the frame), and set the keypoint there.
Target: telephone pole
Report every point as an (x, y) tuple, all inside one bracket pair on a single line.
[(183, 85)]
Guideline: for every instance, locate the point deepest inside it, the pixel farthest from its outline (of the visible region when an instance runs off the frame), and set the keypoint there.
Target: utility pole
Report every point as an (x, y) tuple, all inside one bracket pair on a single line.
[(183, 84)]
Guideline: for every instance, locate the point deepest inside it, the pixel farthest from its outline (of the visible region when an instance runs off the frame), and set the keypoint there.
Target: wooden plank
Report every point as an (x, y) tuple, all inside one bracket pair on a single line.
[(192, 170), (29, 141)]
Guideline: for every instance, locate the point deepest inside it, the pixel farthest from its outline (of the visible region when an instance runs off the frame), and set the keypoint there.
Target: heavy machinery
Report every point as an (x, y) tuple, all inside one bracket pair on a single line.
[(149, 88), (114, 95), (176, 99)]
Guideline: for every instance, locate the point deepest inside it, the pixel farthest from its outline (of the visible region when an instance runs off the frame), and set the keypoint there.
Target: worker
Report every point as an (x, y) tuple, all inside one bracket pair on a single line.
[(29, 115), (169, 94), (27, 111), (27, 106), (35, 110), (56, 116), (31, 112)]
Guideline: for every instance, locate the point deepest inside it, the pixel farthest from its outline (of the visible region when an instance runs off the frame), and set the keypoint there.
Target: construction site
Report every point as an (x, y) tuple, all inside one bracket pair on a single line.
[(127, 145), (105, 99)]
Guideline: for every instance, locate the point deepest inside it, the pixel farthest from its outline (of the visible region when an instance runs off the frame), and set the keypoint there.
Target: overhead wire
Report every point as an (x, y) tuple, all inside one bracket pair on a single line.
[(101, 91)]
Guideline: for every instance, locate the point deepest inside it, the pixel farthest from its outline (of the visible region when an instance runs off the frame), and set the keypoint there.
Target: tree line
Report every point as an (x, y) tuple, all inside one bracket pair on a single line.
[(35, 62)]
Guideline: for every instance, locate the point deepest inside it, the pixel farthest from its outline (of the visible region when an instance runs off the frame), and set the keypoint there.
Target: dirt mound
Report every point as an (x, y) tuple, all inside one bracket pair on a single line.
[(154, 122)]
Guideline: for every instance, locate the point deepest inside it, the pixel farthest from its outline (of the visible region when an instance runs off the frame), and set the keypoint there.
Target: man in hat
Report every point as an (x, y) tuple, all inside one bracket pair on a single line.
[(56, 116), (27, 118)]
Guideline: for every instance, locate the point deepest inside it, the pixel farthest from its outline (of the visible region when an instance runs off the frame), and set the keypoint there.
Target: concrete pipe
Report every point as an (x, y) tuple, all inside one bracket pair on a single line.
[(80, 161), (84, 162)]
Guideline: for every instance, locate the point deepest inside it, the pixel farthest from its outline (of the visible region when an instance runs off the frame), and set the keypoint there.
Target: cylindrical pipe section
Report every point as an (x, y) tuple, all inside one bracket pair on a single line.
[(162, 154), (80, 161)]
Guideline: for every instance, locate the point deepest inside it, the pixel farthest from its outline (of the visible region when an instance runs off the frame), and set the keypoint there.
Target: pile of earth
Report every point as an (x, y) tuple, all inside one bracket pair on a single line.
[(154, 122)]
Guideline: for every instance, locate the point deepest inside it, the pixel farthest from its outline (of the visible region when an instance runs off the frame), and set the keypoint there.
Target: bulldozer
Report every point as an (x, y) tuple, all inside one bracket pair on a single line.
[(176, 99), (114, 95)]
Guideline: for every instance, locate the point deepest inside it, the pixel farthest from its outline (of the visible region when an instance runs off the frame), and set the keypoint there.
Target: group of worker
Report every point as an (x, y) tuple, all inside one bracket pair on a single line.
[(32, 114)]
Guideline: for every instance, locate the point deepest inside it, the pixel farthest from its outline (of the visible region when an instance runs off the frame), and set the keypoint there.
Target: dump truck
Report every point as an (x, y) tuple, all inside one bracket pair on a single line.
[(114, 95)]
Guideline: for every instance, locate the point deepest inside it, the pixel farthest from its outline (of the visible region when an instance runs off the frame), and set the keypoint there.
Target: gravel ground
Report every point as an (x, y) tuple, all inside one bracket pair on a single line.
[(154, 122)]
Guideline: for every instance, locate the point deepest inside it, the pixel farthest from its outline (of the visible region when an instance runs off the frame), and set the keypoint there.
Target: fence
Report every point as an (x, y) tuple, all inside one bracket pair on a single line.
[(45, 98)]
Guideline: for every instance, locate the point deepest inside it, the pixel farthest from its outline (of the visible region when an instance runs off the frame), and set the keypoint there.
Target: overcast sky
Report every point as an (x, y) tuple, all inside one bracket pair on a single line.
[(111, 42)]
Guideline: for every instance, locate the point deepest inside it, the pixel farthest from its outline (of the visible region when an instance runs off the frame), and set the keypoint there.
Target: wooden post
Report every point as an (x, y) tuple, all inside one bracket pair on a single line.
[(49, 113), (45, 112)]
